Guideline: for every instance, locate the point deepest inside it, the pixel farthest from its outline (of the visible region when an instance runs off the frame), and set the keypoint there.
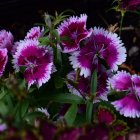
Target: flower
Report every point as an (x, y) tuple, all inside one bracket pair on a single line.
[(47, 130), (129, 105), (34, 33), (3, 60), (129, 4), (3, 127), (69, 134), (101, 45), (36, 60), (74, 30), (82, 87), (6, 39), (15, 46), (120, 81), (99, 132), (105, 115)]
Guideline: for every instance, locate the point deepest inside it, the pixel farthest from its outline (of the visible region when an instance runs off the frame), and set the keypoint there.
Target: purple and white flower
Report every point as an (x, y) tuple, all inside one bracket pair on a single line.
[(101, 44), (74, 30), (129, 105), (82, 86), (34, 33), (6, 39), (3, 60), (37, 61)]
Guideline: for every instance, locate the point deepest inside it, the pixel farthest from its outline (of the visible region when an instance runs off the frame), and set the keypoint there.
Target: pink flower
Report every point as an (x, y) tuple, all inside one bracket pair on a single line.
[(15, 46), (37, 61), (34, 33), (129, 105), (120, 81), (74, 30), (3, 127), (6, 39), (101, 44), (82, 86), (105, 115), (3, 60)]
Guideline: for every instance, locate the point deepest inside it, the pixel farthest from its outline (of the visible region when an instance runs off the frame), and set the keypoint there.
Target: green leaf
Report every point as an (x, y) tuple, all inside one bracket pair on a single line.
[(57, 57), (89, 111), (62, 98), (94, 83), (3, 108), (45, 32), (31, 116), (55, 34), (2, 93), (71, 114), (58, 81), (80, 119), (23, 108), (44, 41), (116, 95)]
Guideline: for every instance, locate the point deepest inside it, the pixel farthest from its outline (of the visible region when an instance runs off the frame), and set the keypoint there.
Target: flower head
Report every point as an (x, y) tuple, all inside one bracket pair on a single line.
[(3, 60), (82, 86), (37, 61), (74, 30), (105, 115), (34, 33), (6, 39), (101, 45), (129, 105)]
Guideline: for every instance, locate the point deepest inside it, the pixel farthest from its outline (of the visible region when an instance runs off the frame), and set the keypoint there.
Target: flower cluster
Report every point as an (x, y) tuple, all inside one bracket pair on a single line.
[(79, 68), (87, 53)]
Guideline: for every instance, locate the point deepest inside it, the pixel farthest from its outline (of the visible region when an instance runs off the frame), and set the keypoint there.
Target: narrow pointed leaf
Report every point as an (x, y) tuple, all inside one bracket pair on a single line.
[(94, 83), (89, 111), (70, 115)]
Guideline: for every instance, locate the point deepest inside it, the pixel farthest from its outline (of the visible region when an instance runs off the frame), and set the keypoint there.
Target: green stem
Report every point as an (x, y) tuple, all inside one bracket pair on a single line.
[(121, 22)]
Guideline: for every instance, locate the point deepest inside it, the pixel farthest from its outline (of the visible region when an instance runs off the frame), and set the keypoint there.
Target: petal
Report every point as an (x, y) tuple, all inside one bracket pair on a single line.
[(120, 81), (136, 81), (69, 134), (105, 115), (106, 41), (47, 130), (83, 59), (81, 88), (34, 33), (6, 39), (129, 106), (120, 127), (73, 28), (3, 60)]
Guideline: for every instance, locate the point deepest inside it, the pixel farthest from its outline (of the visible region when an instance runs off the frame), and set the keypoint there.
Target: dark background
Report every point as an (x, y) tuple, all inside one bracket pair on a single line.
[(19, 16), (29, 11)]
